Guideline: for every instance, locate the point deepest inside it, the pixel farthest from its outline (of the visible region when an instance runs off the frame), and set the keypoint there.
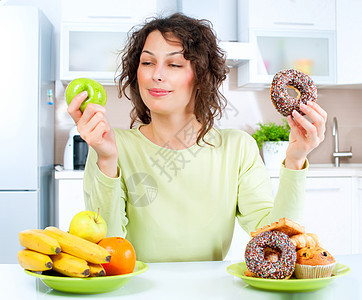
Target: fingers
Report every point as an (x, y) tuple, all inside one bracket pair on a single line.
[(96, 136), (307, 126), (90, 112), (93, 125), (294, 125), (318, 117), (74, 105), (318, 109)]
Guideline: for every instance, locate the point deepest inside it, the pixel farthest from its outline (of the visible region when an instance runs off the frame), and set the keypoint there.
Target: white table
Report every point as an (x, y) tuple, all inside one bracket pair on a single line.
[(185, 280)]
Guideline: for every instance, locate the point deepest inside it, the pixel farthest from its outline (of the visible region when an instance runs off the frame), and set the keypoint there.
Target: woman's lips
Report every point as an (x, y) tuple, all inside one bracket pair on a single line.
[(158, 92)]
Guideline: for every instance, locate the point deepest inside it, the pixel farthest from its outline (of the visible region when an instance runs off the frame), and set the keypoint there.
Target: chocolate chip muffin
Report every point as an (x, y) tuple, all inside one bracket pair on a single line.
[(314, 263)]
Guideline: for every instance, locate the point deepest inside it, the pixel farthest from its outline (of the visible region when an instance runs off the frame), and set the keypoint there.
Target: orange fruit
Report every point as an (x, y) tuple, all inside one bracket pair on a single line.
[(123, 255)]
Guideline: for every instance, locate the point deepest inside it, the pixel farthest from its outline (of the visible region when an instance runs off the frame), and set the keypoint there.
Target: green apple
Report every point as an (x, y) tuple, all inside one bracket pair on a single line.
[(88, 225), (96, 92)]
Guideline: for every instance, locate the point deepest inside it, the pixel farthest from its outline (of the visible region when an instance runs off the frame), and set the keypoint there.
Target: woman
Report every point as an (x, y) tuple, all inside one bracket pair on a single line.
[(174, 184)]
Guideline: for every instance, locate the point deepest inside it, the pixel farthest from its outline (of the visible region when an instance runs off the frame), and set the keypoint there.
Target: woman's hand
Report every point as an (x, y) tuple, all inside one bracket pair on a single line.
[(304, 135), (95, 130)]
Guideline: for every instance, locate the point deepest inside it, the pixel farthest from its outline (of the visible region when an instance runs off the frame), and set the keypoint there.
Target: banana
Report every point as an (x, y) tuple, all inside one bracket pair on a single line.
[(70, 265), (34, 261), (79, 247), (96, 270), (37, 240)]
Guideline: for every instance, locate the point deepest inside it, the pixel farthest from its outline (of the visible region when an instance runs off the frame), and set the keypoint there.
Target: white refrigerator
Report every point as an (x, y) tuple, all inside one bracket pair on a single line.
[(26, 125)]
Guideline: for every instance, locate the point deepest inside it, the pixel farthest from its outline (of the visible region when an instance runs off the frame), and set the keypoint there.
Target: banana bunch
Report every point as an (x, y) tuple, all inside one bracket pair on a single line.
[(61, 251)]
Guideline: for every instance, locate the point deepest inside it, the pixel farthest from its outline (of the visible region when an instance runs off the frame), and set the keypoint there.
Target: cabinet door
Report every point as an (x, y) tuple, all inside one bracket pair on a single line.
[(91, 51), (115, 11), (349, 42), (359, 215), (19, 212), (328, 212), (312, 52), (292, 14), (70, 201)]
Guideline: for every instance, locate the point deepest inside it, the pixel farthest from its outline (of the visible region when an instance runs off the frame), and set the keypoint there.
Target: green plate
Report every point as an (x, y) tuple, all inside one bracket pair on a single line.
[(290, 285), (91, 285)]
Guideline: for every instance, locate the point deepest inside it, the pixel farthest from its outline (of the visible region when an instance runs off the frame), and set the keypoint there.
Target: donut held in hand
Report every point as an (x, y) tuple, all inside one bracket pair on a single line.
[(258, 247), (302, 83)]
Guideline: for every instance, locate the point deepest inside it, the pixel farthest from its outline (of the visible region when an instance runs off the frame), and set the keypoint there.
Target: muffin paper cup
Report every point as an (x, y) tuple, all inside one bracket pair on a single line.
[(306, 271)]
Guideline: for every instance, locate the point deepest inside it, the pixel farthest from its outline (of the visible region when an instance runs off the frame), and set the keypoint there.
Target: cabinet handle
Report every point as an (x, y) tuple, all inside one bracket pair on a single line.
[(294, 23), (110, 17), (322, 190)]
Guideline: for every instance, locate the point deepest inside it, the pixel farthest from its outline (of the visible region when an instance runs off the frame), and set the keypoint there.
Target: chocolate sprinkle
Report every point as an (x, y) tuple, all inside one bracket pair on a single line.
[(254, 255), (282, 101)]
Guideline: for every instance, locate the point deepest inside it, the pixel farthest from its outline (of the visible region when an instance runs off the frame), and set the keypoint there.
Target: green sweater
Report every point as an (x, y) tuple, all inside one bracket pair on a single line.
[(180, 205)]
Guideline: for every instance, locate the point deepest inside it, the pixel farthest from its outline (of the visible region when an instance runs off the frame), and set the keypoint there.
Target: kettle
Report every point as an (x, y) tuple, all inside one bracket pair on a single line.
[(75, 152)]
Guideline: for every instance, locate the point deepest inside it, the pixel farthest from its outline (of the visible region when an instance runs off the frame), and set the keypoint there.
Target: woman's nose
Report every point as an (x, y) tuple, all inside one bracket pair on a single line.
[(159, 73)]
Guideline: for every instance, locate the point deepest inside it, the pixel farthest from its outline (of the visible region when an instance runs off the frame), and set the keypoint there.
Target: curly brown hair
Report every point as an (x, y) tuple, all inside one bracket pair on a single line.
[(199, 47)]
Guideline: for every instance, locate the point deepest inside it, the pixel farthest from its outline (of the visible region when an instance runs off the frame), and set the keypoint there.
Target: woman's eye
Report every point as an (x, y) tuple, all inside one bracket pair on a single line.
[(146, 63), (175, 66)]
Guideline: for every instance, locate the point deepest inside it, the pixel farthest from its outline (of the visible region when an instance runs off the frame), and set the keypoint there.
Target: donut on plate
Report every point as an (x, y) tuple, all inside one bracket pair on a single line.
[(302, 83), (257, 263)]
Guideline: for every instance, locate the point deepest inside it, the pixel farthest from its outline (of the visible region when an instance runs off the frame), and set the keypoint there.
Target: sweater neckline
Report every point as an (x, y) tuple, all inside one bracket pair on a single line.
[(165, 148)]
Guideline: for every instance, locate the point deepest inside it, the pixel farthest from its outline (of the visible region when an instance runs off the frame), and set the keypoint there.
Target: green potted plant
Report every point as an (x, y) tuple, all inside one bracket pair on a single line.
[(273, 140)]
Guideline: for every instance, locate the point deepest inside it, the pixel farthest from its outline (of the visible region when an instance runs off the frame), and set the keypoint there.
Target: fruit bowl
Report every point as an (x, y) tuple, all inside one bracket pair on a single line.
[(90, 285)]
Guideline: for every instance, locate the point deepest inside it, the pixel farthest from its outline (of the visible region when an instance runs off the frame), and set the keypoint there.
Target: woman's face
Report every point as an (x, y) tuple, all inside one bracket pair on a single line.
[(165, 77)]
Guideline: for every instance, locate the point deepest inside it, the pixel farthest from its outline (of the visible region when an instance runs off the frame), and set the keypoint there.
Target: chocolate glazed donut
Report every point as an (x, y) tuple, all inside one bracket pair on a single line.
[(302, 83), (255, 255)]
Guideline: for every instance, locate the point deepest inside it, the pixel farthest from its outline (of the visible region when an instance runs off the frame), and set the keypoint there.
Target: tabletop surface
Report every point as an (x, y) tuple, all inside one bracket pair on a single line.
[(183, 280)]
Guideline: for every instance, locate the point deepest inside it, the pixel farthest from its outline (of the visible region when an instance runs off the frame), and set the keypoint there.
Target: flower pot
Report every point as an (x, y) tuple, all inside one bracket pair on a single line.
[(274, 153)]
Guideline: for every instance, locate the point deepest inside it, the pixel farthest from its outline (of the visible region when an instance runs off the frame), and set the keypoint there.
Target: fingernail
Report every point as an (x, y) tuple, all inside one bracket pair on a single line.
[(310, 103), (303, 105), (84, 93), (295, 113)]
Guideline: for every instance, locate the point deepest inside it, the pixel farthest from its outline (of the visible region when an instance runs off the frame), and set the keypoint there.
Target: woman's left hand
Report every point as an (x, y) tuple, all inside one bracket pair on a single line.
[(304, 135)]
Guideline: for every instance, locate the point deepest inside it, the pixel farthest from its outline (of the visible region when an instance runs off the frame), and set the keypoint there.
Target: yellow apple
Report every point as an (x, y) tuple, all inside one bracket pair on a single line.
[(88, 225)]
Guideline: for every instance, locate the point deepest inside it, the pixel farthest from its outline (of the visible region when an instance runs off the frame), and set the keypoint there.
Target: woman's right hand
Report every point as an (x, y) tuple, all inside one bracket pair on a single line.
[(96, 131)]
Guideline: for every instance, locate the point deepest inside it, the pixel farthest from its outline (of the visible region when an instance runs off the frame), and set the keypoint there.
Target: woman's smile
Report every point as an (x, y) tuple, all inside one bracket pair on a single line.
[(157, 92)]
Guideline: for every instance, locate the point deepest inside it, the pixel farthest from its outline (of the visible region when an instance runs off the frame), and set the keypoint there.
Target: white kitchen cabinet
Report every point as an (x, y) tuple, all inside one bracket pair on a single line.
[(287, 34), (349, 42), (114, 11), (288, 14), (91, 50), (359, 214), (92, 36), (312, 52), (329, 212), (221, 13), (69, 198)]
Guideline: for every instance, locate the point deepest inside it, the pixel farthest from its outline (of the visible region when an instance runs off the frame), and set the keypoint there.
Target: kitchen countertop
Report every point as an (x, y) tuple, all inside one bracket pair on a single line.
[(315, 170), (183, 280), (329, 170)]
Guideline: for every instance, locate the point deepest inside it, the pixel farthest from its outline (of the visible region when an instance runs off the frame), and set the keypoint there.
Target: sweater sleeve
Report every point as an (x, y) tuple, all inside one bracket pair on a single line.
[(256, 205), (107, 194)]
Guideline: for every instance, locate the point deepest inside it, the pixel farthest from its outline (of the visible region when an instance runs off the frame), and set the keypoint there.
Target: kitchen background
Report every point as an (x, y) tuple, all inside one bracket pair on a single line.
[(332, 25), (247, 106)]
